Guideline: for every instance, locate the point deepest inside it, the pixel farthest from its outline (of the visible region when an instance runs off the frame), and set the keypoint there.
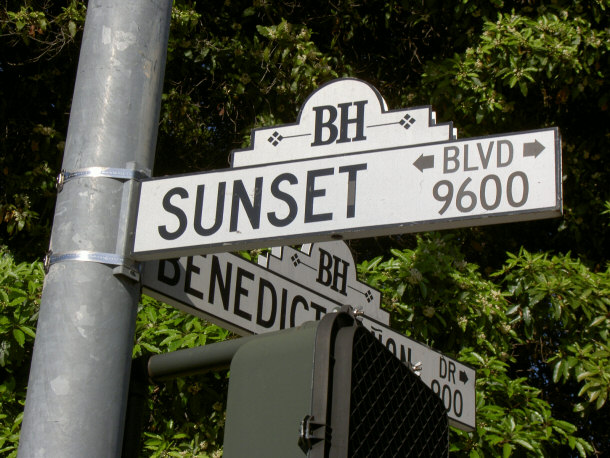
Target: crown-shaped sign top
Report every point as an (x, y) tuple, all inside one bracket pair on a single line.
[(344, 116), (329, 269)]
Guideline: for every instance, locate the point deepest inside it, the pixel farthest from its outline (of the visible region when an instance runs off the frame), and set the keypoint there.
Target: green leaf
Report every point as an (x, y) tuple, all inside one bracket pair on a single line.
[(524, 444), (593, 395), (19, 336), (151, 348), (583, 375), (18, 300), (72, 28), (423, 290), (557, 371), (601, 400), (564, 425), (581, 449), (402, 256), (596, 321), (527, 316), (29, 331), (523, 88), (249, 11)]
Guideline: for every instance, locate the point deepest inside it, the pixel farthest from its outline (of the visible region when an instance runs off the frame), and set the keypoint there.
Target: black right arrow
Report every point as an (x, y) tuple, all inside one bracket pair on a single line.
[(463, 377), (424, 162), (532, 149)]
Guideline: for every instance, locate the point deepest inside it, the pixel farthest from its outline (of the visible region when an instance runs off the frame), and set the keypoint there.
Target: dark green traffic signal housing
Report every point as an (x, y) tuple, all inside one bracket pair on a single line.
[(270, 392), (329, 389)]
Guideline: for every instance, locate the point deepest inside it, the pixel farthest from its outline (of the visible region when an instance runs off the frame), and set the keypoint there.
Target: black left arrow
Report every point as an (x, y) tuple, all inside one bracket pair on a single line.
[(463, 377), (424, 162)]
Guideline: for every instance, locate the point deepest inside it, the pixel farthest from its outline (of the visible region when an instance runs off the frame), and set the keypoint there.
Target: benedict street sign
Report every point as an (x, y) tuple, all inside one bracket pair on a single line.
[(285, 289), (289, 287), (351, 168)]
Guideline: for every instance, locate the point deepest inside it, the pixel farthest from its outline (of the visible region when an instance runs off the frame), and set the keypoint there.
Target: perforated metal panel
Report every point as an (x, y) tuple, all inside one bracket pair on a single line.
[(392, 412), (375, 405)]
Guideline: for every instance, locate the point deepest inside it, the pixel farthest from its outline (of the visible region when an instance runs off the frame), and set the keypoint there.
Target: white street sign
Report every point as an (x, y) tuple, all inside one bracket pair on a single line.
[(289, 287), (451, 380), (350, 169)]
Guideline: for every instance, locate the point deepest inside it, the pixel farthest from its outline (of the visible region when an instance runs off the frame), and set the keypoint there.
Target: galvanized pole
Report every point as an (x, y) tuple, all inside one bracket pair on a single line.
[(79, 377)]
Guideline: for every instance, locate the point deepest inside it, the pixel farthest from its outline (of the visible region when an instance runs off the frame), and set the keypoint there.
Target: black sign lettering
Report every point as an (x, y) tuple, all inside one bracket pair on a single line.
[(405, 358), (340, 273), (498, 192), (241, 291), (391, 345), (485, 157), (283, 309), (252, 208), (312, 193), (453, 159), (328, 277), (451, 156), (298, 299), (328, 124), (509, 151), (447, 370), (163, 277), (451, 374), (442, 369), (265, 285), (453, 400), (352, 171), (324, 273), (190, 269), (170, 208), (217, 279), (207, 217), (468, 168), (346, 121), (292, 204), (320, 309), (524, 185), (220, 204)]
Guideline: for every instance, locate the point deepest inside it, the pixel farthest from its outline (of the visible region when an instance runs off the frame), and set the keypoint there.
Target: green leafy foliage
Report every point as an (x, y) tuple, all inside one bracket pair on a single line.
[(544, 53), (20, 287), (536, 331), (239, 66), (186, 414), (37, 64), (534, 323)]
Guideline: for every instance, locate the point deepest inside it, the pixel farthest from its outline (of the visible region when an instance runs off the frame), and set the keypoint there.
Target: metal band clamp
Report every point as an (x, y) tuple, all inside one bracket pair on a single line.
[(94, 172), (125, 266)]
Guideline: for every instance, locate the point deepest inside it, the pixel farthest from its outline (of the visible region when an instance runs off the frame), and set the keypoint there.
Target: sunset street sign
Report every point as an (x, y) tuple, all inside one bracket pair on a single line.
[(349, 168)]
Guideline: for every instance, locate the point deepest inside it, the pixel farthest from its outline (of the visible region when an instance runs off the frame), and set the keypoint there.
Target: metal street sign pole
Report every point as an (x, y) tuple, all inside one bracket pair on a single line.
[(79, 375)]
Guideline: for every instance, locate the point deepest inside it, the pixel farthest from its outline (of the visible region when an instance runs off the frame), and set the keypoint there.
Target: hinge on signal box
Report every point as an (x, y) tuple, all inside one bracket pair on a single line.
[(312, 432)]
